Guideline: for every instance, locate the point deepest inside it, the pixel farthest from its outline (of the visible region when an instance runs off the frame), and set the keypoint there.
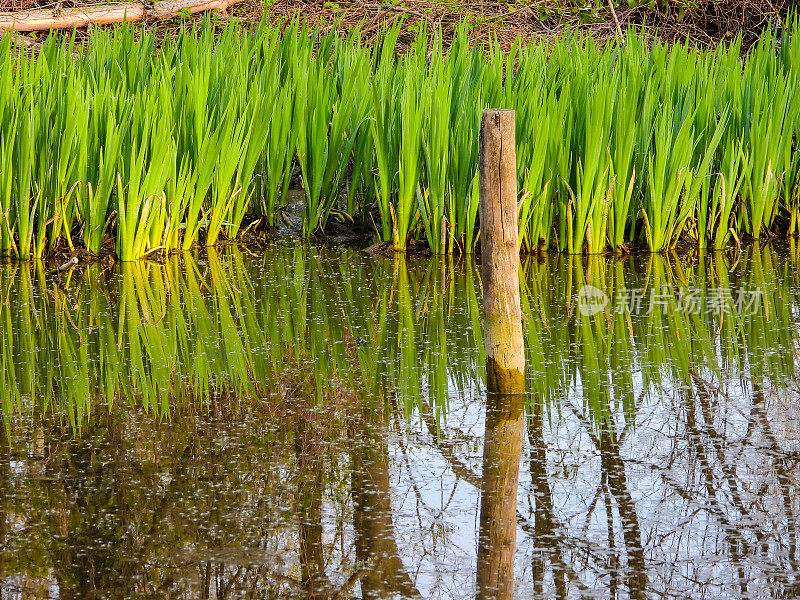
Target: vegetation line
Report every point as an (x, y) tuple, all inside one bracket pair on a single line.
[(137, 147)]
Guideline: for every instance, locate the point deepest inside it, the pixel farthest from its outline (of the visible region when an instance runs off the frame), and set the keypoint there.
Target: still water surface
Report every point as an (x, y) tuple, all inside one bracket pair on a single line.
[(307, 422)]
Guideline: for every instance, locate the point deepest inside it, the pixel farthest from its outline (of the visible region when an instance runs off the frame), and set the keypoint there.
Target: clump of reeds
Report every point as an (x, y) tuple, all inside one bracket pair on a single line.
[(631, 144)]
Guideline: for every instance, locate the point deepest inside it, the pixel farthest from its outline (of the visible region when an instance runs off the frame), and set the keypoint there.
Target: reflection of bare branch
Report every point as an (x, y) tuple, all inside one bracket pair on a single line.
[(781, 472), (310, 488), (704, 397), (372, 509), (733, 537), (741, 506), (5, 476), (587, 427), (437, 514), (616, 480), (613, 470), (613, 566), (544, 517), (459, 469), (95, 471), (463, 472), (344, 591), (778, 459)]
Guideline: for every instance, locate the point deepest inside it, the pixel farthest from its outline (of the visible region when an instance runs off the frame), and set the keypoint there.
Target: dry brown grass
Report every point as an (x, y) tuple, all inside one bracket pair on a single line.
[(700, 22)]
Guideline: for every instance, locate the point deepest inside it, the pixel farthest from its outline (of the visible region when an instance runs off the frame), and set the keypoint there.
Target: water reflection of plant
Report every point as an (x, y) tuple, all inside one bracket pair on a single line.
[(227, 333), (202, 489), (157, 335), (654, 342), (696, 369)]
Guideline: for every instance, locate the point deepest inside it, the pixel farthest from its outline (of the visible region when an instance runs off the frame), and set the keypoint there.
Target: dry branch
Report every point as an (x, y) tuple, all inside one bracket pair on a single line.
[(43, 20)]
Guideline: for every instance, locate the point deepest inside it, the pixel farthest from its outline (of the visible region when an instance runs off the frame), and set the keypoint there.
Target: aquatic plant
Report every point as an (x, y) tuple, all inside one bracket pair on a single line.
[(329, 111), (110, 144), (412, 113)]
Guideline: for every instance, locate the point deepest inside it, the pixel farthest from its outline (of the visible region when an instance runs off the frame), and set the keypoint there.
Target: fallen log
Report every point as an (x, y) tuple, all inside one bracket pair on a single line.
[(72, 18)]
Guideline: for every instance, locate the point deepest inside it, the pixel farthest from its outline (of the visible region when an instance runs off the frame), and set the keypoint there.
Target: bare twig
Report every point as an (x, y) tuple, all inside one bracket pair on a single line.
[(616, 19)]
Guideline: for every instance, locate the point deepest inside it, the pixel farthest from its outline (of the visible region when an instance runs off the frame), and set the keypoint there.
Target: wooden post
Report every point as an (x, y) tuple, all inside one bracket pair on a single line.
[(497, 164), (505, 359)]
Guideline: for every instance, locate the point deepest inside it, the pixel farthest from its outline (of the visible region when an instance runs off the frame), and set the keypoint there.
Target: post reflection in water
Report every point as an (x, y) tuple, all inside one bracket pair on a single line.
[(497, 537), (312, 423)]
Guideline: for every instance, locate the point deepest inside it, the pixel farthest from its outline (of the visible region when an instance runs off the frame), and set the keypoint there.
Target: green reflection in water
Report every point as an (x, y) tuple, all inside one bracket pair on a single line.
[(237, 422), (158, 336), (668, 323)]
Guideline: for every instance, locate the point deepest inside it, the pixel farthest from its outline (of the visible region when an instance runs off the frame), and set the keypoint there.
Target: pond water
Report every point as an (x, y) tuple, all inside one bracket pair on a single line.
[(309, 422)]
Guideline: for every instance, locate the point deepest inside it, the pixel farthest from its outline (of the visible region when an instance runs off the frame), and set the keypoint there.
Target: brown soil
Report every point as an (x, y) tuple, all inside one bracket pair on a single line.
[(700, 22)]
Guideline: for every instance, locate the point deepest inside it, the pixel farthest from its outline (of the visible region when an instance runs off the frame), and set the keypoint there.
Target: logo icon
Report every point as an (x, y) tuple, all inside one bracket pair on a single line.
[(591, 300)]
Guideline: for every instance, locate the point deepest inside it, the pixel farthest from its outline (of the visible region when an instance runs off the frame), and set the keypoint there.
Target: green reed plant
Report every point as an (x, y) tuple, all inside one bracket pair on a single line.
[(768, 133), (536, 130), (619, 146), (467, 70), (669, 164), (141, 182), (24, 193), (726, 189), (361, 190), (255, 130), (107, 131), (54, 157), (167, 212), (698, 185), (384, 125), (791, 187), (587, 210), (7, 228), (329, 116), (254, 142), (6, 231), (230, 145), (629, 86), (276, 161), (435, 197), (352, 70), (412, 114), (790, 56)]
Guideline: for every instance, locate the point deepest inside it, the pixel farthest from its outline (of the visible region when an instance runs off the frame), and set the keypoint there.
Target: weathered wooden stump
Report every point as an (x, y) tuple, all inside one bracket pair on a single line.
[(505, 358)]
